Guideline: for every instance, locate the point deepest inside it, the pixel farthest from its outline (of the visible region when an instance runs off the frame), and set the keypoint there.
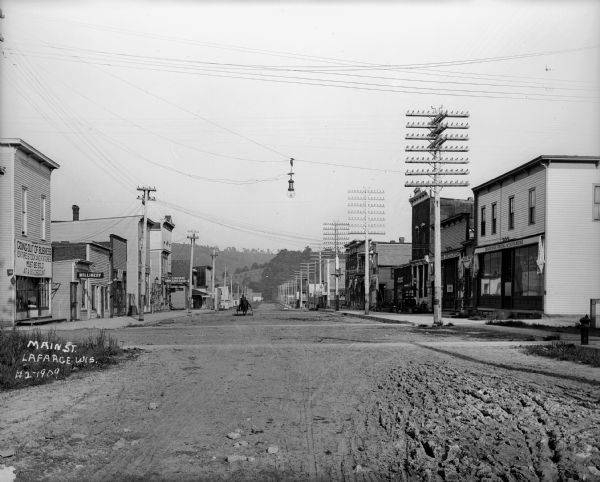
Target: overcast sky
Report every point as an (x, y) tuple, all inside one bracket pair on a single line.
[(207, 101)]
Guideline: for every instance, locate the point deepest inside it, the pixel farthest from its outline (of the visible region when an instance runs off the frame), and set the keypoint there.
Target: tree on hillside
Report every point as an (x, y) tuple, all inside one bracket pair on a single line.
[(280, 269)]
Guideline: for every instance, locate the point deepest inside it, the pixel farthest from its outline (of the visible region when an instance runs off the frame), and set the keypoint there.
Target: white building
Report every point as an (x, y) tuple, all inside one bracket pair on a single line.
[(25, 233), (161, 241), (100, 229), (537, 237)]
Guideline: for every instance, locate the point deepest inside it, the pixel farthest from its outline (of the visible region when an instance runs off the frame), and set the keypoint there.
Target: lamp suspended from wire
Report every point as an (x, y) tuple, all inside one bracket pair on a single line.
[(291, 193)]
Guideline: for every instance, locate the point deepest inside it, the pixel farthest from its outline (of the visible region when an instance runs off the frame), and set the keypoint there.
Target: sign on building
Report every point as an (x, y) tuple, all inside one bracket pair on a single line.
[(33, 259), (90, 274)]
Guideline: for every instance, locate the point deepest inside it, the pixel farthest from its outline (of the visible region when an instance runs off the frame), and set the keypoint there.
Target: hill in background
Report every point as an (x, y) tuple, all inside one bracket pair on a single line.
[(245, 265), (262, 271)]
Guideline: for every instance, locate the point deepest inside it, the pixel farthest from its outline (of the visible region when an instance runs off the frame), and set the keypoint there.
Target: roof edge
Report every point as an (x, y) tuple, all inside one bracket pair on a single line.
[(534, 162), (29, 149)]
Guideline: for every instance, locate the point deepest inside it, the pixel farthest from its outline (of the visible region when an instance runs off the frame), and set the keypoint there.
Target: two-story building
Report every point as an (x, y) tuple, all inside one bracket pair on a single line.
[(161, 240), (83, 281), (25, 233), (457, 254), (384, 257), (129, 228), (333, 277), (537, 247), (423, 224)]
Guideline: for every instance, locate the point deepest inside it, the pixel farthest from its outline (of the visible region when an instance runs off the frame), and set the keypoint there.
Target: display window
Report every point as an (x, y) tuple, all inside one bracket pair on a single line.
[(527, 280), (490, 274), (33, 295)]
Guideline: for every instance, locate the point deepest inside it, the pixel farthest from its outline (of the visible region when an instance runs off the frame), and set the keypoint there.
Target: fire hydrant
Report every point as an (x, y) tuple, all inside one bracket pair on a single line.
[(585, 329)]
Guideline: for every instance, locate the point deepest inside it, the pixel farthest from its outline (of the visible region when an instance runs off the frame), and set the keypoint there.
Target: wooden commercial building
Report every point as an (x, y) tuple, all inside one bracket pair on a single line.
[(537, 246), (25, 233)]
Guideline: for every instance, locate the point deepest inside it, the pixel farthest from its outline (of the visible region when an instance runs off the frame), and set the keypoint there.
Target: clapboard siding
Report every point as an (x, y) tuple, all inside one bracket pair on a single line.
[(7, 234), (119, 247), (454, 233), (101, 264), (34, 176), (62, 275), (518, 187), (129, 228), (572, 239)]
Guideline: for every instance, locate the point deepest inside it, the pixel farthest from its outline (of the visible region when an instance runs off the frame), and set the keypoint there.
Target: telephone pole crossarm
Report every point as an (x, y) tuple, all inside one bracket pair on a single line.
[(366, 216), (142, 285), (437, 139)]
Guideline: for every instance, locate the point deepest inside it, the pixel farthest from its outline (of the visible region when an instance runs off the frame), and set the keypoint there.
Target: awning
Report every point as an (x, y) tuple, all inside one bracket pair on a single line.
[(197, 292), (450, 254)]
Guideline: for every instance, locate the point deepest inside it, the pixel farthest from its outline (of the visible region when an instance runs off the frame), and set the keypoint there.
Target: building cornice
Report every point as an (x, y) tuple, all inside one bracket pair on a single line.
[(32, 151), (543, 159)]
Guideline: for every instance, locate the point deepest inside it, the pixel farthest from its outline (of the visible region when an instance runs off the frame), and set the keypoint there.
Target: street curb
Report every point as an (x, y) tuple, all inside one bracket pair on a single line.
[(378, 318)]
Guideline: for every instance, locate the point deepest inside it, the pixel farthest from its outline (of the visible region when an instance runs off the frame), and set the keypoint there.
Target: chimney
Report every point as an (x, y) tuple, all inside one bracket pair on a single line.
[(401, 239), (75, 212)]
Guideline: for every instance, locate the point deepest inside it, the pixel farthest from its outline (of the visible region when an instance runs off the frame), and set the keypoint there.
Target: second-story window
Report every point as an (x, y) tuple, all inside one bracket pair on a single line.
[(532, 206), (494, 216), (511, 212), (43, 217), (24, 210), (597, 202), (483, 221)]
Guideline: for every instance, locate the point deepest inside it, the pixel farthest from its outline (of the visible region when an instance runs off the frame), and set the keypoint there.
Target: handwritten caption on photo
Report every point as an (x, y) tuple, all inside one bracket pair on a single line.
[(55, 354)]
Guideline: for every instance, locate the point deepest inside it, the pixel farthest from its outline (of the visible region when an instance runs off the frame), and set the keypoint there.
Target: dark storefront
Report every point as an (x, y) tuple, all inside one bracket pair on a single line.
[(451, 299), (404, 288), (510, 278)]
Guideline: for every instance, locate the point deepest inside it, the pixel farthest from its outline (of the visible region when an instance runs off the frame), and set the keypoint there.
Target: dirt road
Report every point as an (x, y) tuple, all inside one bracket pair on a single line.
[(311, 396)]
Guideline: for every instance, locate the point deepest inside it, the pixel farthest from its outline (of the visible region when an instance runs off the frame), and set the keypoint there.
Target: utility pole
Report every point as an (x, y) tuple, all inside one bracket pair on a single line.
[(145, 197), (308, 266), (316, 257), (335, 236), (365, 213), (300, 289), (192, 237), (214, 294), (436, 139)]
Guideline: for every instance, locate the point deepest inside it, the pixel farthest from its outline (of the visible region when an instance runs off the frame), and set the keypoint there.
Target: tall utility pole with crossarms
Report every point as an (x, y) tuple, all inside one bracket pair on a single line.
[(144, 197), (192, 236), (335, 236), (366, 216), (439, 176)]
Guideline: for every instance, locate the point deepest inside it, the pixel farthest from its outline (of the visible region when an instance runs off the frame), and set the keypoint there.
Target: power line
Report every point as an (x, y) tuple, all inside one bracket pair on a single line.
[(239, 226), (343, 62), (227, 72)]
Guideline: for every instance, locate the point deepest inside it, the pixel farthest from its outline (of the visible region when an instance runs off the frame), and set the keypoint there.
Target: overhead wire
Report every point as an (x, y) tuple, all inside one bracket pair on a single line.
[(229, 72), (59, 108), (285, 54), (204, 178), (184, 63), (129, 212), (238, 225)]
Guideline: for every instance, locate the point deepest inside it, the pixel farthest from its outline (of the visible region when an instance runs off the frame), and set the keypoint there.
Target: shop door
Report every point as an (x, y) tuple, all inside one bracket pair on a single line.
[(449, 284), (73, 292), (507, 277)]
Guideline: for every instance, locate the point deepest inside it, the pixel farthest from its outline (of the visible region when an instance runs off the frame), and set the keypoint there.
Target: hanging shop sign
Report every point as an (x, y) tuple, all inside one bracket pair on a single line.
[(90, 274), (33, 259), (176, 280)]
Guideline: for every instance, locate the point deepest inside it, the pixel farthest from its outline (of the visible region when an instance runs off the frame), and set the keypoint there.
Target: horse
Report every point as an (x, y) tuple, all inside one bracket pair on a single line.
[(243, 306)]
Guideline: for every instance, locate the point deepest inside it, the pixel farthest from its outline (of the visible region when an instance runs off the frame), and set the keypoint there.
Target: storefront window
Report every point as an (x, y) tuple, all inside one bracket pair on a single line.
[(84, 295), (33, 294), (490, 274), (527, 280)]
